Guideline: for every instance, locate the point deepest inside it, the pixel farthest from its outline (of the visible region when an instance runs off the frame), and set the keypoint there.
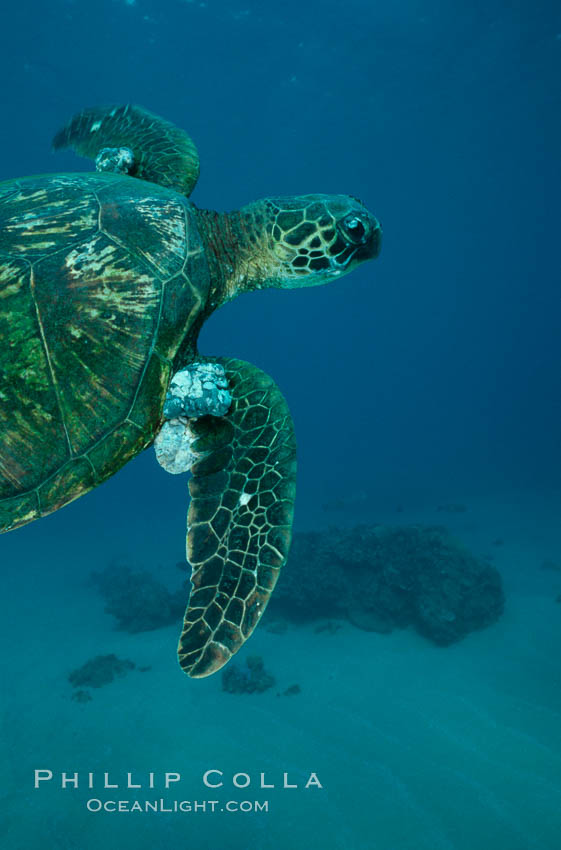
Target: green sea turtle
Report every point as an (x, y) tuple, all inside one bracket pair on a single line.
[(105, 281)]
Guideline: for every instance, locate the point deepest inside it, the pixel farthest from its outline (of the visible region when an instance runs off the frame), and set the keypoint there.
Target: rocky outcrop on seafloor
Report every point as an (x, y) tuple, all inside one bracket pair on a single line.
[(251, 679), (137, 600), (386, 577), (99, 671)]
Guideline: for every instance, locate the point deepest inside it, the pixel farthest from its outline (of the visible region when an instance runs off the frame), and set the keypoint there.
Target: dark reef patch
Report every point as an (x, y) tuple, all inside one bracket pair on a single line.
[(138, 601), (292, 691), (386, 577), (97, 672), (81, 696), (249, 680)]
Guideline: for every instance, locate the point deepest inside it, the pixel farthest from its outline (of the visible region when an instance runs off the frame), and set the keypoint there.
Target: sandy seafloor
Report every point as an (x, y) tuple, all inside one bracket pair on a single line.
[(417, 747)]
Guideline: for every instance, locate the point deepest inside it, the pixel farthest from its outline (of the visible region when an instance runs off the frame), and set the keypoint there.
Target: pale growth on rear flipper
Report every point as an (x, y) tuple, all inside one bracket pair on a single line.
[(201, 389), (173, 446)]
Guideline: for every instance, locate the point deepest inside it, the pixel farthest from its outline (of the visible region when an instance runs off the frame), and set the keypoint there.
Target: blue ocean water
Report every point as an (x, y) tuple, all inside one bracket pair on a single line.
[(428, 377)]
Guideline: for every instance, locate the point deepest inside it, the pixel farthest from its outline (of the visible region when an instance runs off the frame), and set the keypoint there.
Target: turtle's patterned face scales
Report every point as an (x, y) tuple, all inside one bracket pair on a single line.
[(318, 237)]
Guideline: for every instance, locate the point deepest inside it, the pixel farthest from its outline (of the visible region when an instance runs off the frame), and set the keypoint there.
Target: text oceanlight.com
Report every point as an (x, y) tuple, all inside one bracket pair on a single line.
[(184, 806)]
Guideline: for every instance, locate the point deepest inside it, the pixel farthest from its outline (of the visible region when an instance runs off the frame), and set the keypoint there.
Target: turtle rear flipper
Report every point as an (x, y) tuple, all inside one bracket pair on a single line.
[(240, 518), (162, 153)]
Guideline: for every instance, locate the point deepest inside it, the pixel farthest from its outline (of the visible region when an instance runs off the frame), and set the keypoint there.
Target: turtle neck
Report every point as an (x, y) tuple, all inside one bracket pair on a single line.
[(237, 251)]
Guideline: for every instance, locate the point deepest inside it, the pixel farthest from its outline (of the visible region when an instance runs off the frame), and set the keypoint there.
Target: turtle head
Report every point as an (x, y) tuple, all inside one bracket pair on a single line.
[(304, 240), (316, 238)]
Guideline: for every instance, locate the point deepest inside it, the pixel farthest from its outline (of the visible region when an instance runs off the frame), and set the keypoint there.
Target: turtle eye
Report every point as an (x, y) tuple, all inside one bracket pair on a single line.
[(354, 228)]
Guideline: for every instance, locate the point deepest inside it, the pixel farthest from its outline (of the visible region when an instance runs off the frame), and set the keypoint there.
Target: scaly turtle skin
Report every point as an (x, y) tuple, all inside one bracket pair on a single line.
[(105, 281)]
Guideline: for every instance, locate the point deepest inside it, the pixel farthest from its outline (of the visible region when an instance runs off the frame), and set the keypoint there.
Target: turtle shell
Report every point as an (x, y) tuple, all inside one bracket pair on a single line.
[(102, 280)]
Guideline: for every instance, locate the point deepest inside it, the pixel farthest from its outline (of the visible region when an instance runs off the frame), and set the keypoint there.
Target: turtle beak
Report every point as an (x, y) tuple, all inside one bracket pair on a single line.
[(373, 245), (370, 244)]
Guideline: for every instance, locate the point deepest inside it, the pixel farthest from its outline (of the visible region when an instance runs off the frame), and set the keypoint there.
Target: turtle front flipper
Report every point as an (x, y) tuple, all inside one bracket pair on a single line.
[(240, 518), (161, 152)]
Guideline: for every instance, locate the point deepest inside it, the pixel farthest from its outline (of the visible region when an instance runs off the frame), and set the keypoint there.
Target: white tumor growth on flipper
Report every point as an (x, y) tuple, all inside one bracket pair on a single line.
[(115, 160), (201, 389), (173, 446)]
